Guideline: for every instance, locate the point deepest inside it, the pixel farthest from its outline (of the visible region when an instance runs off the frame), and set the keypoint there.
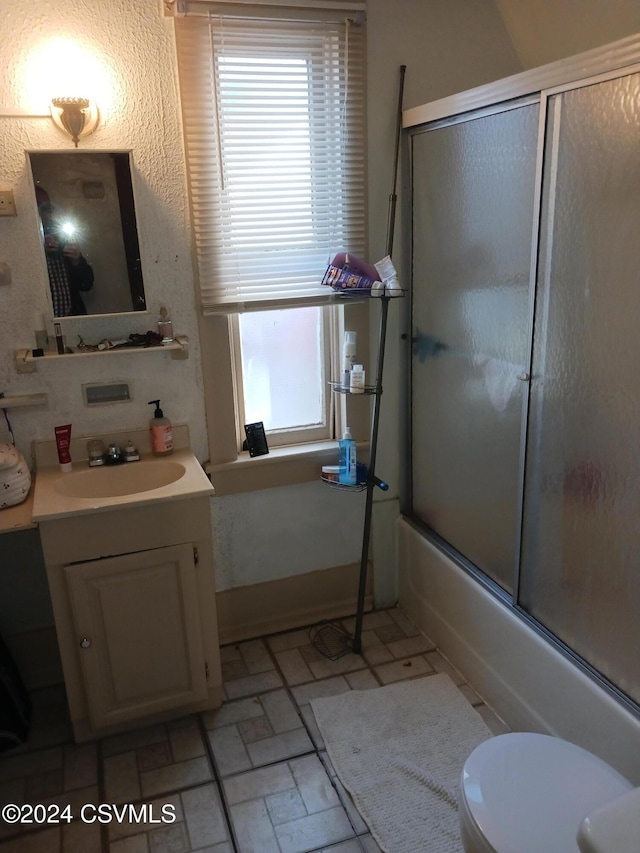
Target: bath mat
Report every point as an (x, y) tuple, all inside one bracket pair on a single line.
[(399, 751)]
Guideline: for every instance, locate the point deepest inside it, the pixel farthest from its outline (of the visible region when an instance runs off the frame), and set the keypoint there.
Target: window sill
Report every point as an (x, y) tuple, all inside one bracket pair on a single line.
[(282, 466)]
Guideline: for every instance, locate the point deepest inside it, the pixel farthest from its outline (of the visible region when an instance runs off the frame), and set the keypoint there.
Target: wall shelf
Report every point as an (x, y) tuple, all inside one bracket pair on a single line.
[(14, 400), (26, 362)]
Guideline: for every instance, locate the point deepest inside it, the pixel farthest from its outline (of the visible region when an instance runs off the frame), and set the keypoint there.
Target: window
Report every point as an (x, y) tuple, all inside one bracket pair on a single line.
[(273, 114), (283, 372)]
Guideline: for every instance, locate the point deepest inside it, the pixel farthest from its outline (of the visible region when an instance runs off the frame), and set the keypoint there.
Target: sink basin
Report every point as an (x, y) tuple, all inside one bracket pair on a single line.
[(151, 481), (115, 481)]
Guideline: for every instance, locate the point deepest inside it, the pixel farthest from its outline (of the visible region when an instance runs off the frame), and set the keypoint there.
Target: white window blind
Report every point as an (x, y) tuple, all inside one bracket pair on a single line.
[(273, 114)]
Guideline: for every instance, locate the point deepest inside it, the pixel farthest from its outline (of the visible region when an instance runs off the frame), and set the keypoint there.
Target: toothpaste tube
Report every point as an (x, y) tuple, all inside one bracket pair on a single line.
[(63, 444)]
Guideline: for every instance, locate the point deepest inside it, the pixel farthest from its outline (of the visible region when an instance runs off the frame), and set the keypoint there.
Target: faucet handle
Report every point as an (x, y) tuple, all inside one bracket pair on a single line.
[(131, 453), (95, 451)]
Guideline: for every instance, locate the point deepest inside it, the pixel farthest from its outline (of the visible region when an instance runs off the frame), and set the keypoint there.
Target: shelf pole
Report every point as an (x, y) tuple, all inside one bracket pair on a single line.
[(368, 511), (366, 535)]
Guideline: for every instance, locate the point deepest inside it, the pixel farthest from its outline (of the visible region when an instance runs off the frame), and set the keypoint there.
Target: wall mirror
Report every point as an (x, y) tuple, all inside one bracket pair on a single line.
[(88, 231)]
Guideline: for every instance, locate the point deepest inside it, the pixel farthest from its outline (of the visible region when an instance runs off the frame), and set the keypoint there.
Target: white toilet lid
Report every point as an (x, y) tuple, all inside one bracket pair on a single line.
[(528, 792)]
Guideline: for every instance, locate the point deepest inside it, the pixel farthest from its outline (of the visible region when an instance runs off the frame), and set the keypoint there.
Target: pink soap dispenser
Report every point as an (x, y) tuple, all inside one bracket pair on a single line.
[(161, 431)]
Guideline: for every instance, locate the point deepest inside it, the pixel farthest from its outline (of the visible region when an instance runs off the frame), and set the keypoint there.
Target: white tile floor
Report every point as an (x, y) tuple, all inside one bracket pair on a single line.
[(251, 777)]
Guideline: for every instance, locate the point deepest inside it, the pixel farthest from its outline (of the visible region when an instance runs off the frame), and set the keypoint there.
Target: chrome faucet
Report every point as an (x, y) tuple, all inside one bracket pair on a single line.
[(113, 455)]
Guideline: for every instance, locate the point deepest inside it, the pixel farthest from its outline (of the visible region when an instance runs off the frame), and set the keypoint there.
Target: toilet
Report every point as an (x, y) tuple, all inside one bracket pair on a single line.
[(528, 793)]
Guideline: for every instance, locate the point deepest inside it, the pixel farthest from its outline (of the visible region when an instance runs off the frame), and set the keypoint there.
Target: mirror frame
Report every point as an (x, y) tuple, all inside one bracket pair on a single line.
[(124, 181)]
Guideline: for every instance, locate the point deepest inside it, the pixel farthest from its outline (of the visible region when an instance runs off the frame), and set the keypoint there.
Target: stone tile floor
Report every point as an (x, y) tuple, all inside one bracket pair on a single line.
[(251, 777)]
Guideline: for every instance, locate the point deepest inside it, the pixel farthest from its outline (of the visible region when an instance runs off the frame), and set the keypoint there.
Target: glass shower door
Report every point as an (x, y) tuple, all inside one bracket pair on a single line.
[(474, 202), (580, 574)]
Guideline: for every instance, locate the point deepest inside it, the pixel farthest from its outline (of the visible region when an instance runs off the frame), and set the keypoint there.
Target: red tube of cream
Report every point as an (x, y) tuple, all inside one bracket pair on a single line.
[(63, 443)]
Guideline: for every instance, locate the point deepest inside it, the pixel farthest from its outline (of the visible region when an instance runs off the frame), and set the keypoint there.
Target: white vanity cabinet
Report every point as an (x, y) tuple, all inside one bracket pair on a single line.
[(134, 602)]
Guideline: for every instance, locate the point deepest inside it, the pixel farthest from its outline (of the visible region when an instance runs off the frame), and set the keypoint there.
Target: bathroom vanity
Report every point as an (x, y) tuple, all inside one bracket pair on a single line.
[(132, 586)]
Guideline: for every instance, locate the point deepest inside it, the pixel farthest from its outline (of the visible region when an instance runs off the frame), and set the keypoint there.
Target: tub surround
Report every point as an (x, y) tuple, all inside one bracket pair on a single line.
[(530, 684)]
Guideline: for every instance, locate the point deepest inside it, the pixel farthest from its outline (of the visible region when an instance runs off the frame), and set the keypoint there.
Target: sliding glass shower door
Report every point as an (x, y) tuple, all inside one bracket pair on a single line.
[(525, 409), (474, 195), (580, 572)]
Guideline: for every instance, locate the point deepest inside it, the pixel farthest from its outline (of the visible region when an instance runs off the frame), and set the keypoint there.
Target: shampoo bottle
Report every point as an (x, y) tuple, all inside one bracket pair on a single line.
[(347, 459), (161, 431)]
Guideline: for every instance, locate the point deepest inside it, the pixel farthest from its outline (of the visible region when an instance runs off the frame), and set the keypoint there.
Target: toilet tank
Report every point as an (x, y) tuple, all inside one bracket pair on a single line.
[(614, 826)]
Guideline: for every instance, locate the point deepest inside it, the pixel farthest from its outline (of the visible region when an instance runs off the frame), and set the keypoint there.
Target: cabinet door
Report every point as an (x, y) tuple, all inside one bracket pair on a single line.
[(138, 633)]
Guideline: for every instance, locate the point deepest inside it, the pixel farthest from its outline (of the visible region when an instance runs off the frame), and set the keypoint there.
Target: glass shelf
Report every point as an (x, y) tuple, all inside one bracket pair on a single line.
[(344, 487), (362, 293), (344, 389)]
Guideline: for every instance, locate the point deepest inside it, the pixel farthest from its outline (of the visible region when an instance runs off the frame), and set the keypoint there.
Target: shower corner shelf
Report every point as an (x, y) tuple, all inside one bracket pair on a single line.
[(326, 637), (330, 640), (339, 388), (344, 487)]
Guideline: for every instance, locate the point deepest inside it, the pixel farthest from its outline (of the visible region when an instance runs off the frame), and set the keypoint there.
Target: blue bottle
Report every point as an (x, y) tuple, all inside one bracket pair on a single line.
[(347, 459)]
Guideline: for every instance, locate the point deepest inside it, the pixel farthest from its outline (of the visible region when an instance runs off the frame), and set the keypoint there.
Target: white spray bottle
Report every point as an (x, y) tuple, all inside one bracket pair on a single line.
[(348, 357)]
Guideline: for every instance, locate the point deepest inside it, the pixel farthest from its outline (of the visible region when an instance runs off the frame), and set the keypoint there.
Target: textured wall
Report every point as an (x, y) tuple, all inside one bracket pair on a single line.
[(131, 45), (547, 30), (447, 46)]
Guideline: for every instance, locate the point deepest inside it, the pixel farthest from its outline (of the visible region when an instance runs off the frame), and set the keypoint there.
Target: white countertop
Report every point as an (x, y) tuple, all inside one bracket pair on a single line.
[(18, 517)]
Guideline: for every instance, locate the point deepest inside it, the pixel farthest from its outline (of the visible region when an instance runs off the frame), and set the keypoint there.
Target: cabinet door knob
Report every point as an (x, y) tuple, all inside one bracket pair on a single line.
[(85, 643), (524, 377)]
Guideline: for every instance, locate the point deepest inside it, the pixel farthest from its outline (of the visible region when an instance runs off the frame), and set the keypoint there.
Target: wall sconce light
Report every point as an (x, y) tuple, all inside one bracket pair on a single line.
[(76, 116)]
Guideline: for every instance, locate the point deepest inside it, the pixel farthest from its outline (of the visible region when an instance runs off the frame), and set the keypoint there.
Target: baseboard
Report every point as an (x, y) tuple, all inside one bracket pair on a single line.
[(266, 608)]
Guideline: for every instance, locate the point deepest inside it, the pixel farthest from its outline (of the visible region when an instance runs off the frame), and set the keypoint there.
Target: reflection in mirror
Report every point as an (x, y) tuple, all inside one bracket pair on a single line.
[(89, 233)]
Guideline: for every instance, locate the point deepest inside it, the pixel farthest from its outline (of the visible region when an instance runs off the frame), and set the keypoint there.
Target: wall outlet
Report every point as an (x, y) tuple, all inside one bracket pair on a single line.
[(7, 204)]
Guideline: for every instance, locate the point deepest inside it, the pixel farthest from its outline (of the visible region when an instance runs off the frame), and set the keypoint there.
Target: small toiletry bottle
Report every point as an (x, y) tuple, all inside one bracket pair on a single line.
[(347, 459), (390, 284), (165, 326), (59, 338), (161, 431), (356, 379), (63, 445), (42, 338), (348, 356), (330, 473)]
